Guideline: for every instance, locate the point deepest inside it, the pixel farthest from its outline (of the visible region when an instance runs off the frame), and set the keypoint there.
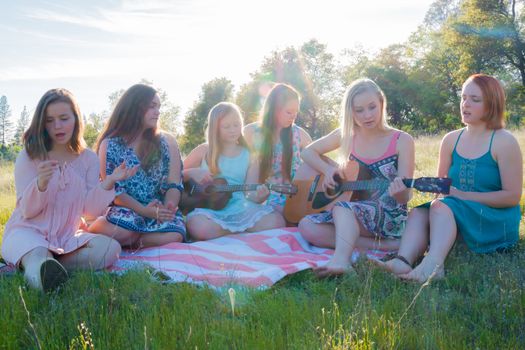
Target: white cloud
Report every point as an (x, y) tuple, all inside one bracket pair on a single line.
[(183, 44)]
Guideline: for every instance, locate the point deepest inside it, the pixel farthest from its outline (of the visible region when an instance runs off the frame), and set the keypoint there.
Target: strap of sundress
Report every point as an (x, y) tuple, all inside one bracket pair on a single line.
[(391, 150), (458, 139), (491, 138)]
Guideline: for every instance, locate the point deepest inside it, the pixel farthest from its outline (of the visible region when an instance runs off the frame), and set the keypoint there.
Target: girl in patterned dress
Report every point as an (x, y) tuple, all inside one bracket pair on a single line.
[(226, 155), (277, 141), (57, 182), (387, 153), (485, 164), (145, 211)]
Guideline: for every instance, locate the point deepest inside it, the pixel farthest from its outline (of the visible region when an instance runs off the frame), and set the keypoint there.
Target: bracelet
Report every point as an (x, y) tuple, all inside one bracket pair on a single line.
[(178, 186)]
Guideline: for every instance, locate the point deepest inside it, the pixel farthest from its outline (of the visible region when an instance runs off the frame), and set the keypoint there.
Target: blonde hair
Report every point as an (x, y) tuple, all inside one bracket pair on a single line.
[(357, 87), (216, 114)]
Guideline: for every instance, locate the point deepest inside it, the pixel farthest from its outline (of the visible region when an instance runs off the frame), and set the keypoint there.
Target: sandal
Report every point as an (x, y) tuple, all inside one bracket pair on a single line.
[(392, 256)]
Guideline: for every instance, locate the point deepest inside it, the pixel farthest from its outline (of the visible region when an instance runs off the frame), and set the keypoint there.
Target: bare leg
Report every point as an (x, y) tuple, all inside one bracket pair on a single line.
[(347, 231), (121, 235), (323, 235), (413, 244), (443, 234), (269, 221), (200, 228), (128, 238), (319, 235), (159, 238), (100, 252)]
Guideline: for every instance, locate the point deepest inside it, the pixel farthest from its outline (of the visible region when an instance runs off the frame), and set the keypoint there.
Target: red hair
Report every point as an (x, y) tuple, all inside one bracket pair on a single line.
[(493, 99)]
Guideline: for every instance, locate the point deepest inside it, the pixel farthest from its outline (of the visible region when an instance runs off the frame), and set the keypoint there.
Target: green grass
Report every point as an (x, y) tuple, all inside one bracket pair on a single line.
[(480, 304)]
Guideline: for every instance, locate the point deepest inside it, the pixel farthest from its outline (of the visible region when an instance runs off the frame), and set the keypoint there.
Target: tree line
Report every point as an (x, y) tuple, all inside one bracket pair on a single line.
[(421, 77)]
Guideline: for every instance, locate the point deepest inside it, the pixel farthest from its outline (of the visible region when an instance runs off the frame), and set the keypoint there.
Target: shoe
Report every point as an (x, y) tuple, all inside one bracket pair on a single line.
[(52, 275)]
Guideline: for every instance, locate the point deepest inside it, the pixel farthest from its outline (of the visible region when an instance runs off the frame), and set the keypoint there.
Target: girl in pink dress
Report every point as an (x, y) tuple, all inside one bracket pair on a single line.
[(57, 182)]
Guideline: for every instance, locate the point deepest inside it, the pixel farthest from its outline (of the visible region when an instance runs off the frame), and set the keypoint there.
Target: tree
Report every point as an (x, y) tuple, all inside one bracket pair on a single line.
[(439, 12), (213, 92), (21, 126), (489, 35), (325, 87), (416, 79), (92, 127), (169, 118), (312, 71), (5, 123)]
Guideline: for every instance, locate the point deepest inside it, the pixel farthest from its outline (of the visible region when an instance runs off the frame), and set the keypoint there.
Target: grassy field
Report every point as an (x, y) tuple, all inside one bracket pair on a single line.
[(479, 305)]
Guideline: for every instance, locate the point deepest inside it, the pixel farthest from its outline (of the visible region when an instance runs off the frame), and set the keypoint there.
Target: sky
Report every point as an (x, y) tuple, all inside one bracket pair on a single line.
[(96, 47)]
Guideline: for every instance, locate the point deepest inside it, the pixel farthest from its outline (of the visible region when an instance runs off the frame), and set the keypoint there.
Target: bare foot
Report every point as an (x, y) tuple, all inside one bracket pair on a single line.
[(429, 269), (395, 266), (333, 268)]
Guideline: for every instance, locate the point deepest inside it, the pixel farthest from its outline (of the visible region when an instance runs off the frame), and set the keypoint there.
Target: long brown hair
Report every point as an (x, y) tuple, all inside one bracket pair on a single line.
[(216, 114), (127, 121), (279, 95), (37, 141)]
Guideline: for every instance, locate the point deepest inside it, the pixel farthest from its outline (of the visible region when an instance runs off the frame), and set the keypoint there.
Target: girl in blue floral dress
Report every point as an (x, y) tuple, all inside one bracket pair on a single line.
[(145, 210), (277, 141), (226, 156), (386, 153)]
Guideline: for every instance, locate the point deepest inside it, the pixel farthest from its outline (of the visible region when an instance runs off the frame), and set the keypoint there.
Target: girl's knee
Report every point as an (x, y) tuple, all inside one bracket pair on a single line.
[(306, 228), (112, 254), (198, 228), (418, 212), (275, 220), (200, 234), (106, 249), (174, 237), (113, 247), (341, 211), (419, 216), (126, 238), (438, 207)]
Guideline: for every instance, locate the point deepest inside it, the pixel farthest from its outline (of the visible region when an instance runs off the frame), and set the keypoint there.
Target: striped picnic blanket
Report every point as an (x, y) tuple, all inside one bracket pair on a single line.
[(257, 259)]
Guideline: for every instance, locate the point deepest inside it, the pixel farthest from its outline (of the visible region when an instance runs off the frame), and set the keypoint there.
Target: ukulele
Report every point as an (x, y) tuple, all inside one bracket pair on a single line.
[(215, 195), (311, 198)]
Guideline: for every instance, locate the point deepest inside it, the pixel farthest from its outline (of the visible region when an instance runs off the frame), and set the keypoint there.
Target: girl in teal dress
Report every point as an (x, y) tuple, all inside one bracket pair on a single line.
[(226, 156), (277, 141), (485, 164)]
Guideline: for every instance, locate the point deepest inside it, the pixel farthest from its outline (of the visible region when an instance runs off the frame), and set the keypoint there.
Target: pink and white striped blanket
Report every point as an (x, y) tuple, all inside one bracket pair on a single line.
[(257, 259)]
